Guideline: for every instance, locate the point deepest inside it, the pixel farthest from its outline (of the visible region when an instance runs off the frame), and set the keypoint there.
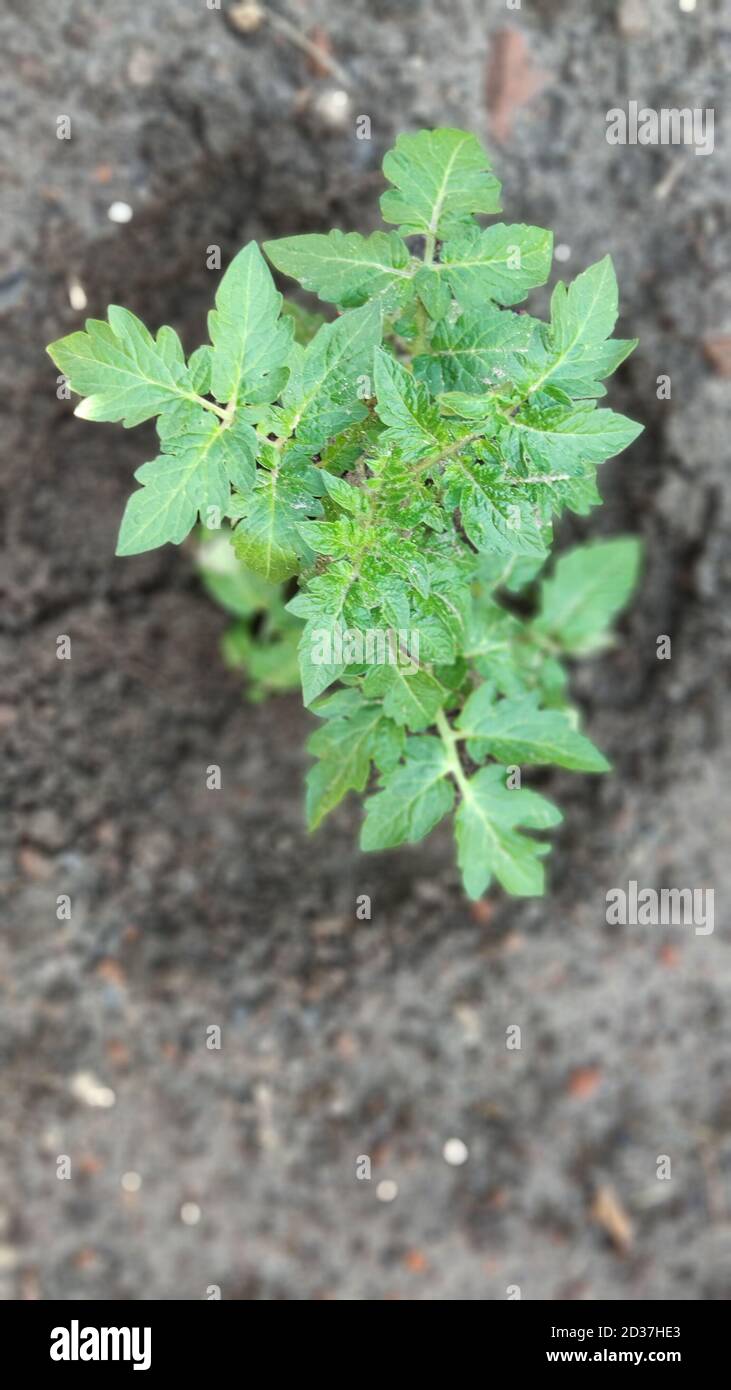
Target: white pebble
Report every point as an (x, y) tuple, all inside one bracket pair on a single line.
[(387, 1190), (562, 251), (91, 1091), (333, 107), (120, 212), (77, 296), (687, 5), (455, 1152), (131, 1182), (190, 1213)]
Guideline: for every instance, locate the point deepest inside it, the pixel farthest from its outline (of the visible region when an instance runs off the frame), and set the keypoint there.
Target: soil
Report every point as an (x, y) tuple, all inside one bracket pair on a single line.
[(191, 908)]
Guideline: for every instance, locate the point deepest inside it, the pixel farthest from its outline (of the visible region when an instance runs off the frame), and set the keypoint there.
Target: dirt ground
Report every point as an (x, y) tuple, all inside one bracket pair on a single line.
[(343, 1038)]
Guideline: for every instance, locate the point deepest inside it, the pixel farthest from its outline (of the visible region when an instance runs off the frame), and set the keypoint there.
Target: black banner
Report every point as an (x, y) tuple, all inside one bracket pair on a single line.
[(157, 1338)]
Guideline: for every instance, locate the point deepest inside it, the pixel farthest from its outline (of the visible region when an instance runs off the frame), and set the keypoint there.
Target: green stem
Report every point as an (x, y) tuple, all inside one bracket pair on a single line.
[(210, 405), (435, 459), (449, 739)]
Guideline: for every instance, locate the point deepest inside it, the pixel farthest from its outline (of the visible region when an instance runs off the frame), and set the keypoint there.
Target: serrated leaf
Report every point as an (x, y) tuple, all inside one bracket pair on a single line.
[(415, 797), (405, 407), (199, 368), (475, 351), (518, 731), (350, 498), (121, 370), (411, 697), (501, 263), (200, 460), (496, 518), (433, 291), (267, 539), (574, 352), (488, 841), (589, 585), (441, 177), (251, 343), (321, 397), (344, 746), (558, 440), (586, 311), (322, 604), (344, 268)]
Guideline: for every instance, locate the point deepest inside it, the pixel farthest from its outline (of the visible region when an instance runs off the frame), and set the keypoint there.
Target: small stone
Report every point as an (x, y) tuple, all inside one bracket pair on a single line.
[(632, 18), (77, 296), (120, 212), (387, 1191), (246, 17), (333, 106), (455, 1153), (91, 1091), (142, 67)]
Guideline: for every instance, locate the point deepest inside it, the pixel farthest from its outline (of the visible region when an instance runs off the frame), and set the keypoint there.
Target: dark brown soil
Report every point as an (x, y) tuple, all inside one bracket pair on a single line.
[(193, 908)]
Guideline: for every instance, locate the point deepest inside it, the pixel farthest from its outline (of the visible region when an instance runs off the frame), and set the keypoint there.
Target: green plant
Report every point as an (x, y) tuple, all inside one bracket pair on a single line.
[(406, 464)]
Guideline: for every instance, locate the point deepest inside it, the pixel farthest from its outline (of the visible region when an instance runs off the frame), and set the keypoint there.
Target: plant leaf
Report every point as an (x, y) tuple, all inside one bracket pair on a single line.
[(404, 405), (441, 177), (517, 731), (588, 587), (321, 397), (199, 462), (267, 539), (250, 340), (477, 348), (344, 268), (501, 263), (345, 747), (488, 842), (414, 798), (121, 370)]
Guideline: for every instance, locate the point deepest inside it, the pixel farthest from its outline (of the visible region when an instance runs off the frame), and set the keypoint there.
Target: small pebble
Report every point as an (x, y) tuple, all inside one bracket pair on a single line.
[(246, 17), (120, 212), (387, 1190), (455, 1152), (190, 1213), (131, 1182), (91, 1091), (562, 251), (77, 296), (333, 107)]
